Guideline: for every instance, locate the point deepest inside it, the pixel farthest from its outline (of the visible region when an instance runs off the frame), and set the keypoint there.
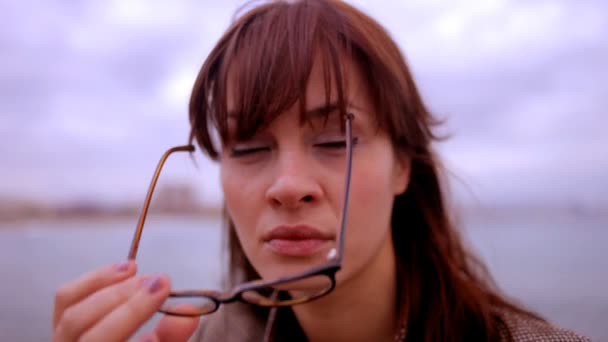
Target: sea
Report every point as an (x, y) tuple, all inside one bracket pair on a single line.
[(557, 266)]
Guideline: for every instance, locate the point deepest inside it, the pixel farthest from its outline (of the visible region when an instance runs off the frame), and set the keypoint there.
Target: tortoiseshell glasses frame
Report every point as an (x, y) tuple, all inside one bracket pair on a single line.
[(242, 292)]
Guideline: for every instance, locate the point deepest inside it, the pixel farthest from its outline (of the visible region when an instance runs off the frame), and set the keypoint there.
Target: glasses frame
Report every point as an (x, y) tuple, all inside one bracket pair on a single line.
[(328, 269)]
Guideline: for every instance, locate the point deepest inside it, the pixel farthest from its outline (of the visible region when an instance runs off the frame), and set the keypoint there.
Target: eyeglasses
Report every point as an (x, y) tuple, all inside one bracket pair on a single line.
[(284, 291)]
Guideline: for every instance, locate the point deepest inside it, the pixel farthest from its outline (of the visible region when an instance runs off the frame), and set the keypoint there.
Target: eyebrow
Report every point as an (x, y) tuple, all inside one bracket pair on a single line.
[(322, 110)]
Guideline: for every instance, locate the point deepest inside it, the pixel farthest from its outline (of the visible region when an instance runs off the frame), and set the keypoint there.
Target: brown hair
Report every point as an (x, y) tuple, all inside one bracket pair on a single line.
[(268, 53)]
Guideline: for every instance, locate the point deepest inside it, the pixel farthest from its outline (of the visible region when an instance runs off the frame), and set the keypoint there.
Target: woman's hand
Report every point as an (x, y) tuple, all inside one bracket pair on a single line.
[(112, 303)]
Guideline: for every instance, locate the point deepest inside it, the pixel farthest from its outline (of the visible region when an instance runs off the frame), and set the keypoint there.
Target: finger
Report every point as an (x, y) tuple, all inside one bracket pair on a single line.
[(174, 328), (79, 317), (88, 283), (124, 321), (148, 337)]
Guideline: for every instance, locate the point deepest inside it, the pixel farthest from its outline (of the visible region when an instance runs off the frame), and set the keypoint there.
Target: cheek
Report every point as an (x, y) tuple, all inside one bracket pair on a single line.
[(230, 184), (373, 183), (372, 198), (371, 202), (239, 197)]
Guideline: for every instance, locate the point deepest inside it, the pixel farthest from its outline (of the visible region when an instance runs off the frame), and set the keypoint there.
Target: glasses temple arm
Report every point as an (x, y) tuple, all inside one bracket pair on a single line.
[(144, 211), (349, 162)]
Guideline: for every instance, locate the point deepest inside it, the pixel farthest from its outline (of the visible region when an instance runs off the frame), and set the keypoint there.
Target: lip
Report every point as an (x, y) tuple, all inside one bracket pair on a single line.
[(296, 240)]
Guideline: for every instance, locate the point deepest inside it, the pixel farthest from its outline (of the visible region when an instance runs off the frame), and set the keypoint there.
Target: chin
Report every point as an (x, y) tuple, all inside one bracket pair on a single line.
[(274, 266)]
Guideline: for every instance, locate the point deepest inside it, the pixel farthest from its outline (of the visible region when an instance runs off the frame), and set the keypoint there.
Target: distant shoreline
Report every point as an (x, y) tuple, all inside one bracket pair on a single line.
[(19, 222), (461, 216)]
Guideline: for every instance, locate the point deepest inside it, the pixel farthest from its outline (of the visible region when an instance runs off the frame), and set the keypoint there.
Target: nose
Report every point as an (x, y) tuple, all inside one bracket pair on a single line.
[(294, 184)]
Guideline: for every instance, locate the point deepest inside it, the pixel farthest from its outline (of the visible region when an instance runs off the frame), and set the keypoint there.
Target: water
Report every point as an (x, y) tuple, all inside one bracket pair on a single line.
[(558, 267), (36, 258)]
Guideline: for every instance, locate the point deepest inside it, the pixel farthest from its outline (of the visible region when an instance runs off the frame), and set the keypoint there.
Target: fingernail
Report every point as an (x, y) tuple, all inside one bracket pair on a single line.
[(153, 284), (122, 266)]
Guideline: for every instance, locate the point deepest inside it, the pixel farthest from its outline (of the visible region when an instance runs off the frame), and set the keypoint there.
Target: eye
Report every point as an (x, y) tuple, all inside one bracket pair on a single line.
[(247, 151), (338, 144), (335, 144)]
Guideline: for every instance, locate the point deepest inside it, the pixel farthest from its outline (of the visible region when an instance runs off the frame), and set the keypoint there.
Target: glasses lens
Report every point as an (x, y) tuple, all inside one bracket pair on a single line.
[(189, 306), (290, 293)]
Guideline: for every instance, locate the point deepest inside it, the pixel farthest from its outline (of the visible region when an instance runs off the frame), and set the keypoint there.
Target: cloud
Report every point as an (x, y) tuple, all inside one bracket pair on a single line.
[(91, 93)]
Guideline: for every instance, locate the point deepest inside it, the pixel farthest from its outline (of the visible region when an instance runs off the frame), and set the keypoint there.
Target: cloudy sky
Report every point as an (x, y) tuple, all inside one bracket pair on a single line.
[(92, 92)]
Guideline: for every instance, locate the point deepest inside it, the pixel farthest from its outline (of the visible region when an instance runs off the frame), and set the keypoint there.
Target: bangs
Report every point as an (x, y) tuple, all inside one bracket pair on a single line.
[(263, 63)]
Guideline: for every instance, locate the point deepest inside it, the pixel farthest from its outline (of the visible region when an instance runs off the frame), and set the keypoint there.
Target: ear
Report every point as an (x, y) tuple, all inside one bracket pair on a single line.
[(401, 173)]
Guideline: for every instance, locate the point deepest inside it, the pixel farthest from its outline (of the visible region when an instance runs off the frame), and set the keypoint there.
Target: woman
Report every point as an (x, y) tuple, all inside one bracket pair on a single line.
[(276, 103)]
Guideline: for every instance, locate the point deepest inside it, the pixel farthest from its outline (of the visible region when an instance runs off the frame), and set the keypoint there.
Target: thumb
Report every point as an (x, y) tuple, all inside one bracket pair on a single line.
[(174, 328)]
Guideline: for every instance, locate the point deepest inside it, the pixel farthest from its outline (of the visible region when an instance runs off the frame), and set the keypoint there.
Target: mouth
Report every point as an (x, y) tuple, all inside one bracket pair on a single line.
[(296, 241)]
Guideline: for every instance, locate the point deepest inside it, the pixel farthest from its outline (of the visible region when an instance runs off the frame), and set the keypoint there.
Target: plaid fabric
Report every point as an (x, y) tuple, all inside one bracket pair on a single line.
[(236, 323), (531, 330)]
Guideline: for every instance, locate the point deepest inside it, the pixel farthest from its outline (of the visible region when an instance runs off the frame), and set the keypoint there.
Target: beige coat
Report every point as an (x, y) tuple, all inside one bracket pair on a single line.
[(235, 323)]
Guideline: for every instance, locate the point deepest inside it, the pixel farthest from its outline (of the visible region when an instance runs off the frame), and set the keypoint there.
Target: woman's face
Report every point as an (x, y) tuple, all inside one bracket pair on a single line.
[(284, 187)]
